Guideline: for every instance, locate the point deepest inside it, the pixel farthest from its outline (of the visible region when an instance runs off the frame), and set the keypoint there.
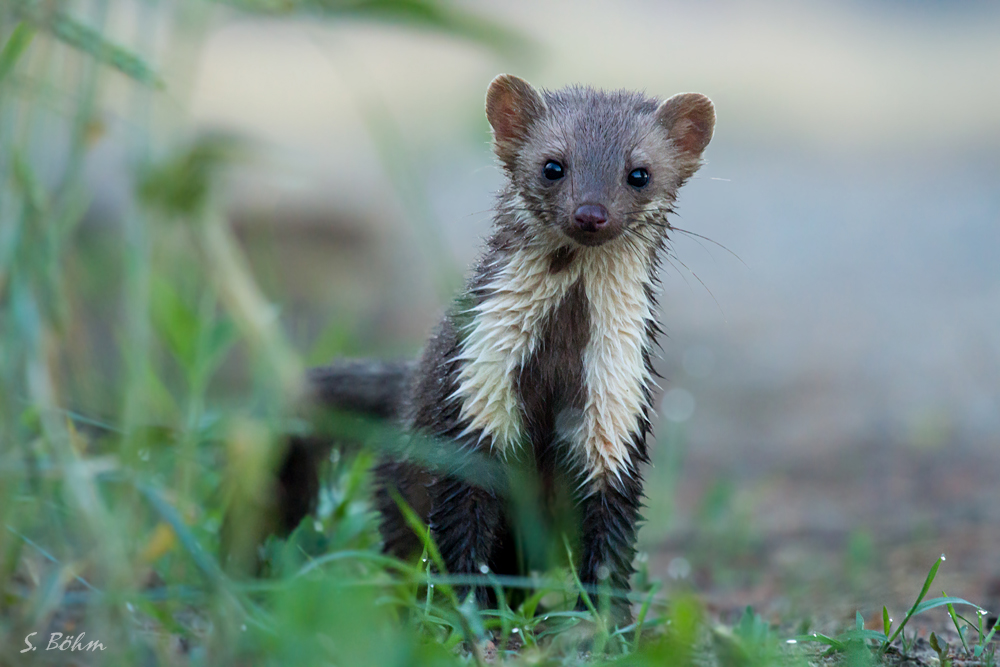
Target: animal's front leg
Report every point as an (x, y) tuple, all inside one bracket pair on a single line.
[(609, 516), (466, 522)]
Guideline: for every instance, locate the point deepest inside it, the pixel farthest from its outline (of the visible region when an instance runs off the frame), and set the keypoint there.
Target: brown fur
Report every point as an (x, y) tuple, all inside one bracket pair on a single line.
[(552, 291)]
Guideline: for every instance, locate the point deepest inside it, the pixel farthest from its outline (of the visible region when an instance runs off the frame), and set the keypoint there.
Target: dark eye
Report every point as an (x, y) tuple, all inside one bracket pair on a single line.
[(638, 178), (552, 170)]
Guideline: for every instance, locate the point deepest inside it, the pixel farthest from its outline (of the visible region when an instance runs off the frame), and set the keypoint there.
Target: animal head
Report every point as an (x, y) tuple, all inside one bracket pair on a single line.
[(591, 165)]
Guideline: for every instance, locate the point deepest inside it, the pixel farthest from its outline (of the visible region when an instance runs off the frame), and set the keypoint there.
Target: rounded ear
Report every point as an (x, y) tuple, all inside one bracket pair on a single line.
[(689, 119), (512, 105)]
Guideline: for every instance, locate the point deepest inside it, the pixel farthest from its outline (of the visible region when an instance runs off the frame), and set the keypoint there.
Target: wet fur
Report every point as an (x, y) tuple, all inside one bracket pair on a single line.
[(544, 361)]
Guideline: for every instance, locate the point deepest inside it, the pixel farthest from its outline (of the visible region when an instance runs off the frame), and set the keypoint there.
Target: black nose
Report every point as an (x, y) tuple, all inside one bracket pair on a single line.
[(591, 217)]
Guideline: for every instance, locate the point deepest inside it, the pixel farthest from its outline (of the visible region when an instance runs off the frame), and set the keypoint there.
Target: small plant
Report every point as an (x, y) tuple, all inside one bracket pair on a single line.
[(983, 649), (751, 643), (942, 651), (879, 642)]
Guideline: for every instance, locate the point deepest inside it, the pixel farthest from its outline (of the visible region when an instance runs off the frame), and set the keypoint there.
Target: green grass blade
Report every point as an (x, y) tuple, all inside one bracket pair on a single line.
[(387, 562), (205, 563), (424, 533), (530, 605), (641, 619), (421, 530), (16, 45), (930, 579), (442, 17), (986, 640), (854, 635), (820, 638), (913, 610), (84, 38), (934, 603), (954, 619), (579, 584), (971, 624)]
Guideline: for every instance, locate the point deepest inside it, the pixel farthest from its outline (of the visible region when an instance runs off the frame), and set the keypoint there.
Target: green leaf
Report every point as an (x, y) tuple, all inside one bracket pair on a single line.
[(19, 40), (731, 648), (176, 323), (181, 184), (914, 609), (427, 14), (855, 635), (930, 578), (822, 639), (954, 619), (205, 563), (530, 605), (986, 640), (584, 595), (421, 530), (221, 339), (29, 184), (940, 602), (84, 38), (886, 621), (641, 619)]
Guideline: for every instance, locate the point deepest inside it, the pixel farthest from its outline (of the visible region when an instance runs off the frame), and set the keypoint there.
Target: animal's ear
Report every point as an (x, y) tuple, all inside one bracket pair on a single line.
[(689, 119), (512, 105)]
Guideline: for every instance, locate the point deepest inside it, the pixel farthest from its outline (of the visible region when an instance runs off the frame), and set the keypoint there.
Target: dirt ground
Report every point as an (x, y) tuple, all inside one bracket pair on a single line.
[(820, 536)]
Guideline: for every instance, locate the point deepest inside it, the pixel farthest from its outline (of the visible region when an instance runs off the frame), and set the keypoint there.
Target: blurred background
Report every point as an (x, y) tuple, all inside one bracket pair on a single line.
[(832, 375), (830, 421)]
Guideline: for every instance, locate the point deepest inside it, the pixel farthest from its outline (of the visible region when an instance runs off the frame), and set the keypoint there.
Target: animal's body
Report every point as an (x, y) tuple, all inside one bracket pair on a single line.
[(544, 362)]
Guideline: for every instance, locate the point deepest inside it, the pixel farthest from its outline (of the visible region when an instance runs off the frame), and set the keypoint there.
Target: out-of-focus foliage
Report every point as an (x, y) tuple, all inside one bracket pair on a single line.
[(123, 468), (425, 14), (55, 20), (180, 186)]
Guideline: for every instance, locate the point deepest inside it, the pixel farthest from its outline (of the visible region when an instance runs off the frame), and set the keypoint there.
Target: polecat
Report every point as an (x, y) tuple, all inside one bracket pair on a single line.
[(543, 362)]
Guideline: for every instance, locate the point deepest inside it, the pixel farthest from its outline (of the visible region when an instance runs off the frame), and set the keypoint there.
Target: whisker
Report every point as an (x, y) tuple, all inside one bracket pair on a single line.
[(512, 209), (721, 310), (667, 259), (634, 249), (712, 241), (630, 246), (666, 225), (636, 232)]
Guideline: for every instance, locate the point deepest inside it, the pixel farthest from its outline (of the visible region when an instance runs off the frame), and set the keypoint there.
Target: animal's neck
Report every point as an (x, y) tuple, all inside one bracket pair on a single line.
[(525, 286)]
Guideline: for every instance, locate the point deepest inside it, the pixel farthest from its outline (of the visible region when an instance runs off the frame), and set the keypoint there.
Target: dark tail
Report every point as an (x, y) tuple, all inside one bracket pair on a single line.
[(365, 387)]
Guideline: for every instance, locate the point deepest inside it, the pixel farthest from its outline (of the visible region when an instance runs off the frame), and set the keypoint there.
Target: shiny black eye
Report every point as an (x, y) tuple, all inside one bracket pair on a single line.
[(638, 178), (552, 170)]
